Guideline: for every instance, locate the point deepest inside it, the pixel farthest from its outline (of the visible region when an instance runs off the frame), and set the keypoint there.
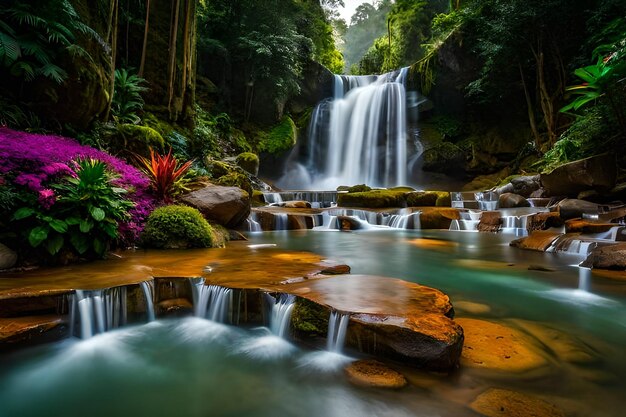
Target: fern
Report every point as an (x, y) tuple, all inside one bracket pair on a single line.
[(127, 100)]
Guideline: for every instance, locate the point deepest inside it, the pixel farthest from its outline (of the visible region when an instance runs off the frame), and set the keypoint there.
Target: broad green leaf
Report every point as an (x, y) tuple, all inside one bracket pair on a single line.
[(97, 213), (23, 213), (110, 229), (72, 221), (37, 235), (86, 226), (54, 244), (58, 225), (80, 242), (99, 246)]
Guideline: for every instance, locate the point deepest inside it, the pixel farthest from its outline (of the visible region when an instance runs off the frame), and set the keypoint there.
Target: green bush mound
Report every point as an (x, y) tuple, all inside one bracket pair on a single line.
[(428, 199), (178, 227), (359, 188), (372, 199), (136, 139), (281, 138), (248, 161)]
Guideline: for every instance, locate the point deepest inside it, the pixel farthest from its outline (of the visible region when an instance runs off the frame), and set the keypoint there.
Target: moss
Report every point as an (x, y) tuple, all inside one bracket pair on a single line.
[(221, 235), (249, 162), (443, 199), (163, 127), (281, 137), (421, 199), (235, 179), (175, 227), (358, 188), (372, 199), (239, 140), (403, 188), (309, 318), (257, 200), (137, 139)]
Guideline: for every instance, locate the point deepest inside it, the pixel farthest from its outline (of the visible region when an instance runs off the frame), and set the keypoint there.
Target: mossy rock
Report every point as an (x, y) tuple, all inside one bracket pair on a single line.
[(153, 121), (235, 179), (238, 138), (257, 200), (372, 199), (178, 227), (309, 318), (421, 199), (280, 138), (357, 188), (136, 139), (443, 199), (403, 188), (248, 161), (221, 235)]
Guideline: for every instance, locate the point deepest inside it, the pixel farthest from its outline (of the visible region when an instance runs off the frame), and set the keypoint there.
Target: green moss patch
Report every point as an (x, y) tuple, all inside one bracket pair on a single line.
[(280, 138), (309, 318), (372, 199), (178, 227)]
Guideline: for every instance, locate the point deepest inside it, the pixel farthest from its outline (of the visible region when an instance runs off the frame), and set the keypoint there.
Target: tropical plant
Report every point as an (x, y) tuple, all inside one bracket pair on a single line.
[(166, 174), (127, 100), (82, 210), (32, 34)]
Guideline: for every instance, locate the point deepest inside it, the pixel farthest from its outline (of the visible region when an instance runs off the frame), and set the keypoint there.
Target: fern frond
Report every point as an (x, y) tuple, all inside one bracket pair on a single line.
[(25, 69), (53, 72), (9, 49)]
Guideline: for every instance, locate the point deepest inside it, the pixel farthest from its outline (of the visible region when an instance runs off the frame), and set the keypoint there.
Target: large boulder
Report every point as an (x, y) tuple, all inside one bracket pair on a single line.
[(525, 185), (607, 257), (512, 200), (594, 173), (228, 206), (371, 373), (8, 257), (571, 208)]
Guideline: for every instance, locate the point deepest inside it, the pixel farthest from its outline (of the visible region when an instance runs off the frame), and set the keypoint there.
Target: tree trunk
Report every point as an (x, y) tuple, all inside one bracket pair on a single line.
[(112, 32), (531, 111), (145, 40), (172, 58)]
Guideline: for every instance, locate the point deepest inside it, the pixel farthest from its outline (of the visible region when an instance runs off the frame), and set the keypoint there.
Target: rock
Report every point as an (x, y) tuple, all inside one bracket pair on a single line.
[(375, 374), (228, 206), (8, 257), (607, 257), (373, 199), (438, 217), (538, 240), (594, 173), (249, 162), (21, 329), (540, 268), (490, 221), (497, 402), (471, 307), (510, 200), (543, 221), (571, 208), (497, 347), (296, 204), (349, 223), (421, 199), (565, 346), (295, 222), (585, 226), (174, 307), (389, 318), (526, 185)]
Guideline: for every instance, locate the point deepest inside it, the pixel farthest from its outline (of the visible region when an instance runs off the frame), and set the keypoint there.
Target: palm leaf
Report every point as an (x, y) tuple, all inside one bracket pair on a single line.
[(9, 48)]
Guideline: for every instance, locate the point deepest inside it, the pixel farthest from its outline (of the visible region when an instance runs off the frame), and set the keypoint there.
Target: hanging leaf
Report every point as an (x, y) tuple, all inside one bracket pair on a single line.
[(37, 235), (54, 244)]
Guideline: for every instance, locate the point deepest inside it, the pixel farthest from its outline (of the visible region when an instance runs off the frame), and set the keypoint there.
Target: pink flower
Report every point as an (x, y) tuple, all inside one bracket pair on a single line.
[(46, 198)]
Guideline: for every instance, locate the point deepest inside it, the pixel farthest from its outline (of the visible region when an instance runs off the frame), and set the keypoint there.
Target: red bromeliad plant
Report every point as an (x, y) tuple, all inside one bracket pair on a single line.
[(166, 174)]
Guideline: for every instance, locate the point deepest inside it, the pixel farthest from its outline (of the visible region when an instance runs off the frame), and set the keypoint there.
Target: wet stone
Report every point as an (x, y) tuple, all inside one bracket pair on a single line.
[(500, 402), (375, 374)]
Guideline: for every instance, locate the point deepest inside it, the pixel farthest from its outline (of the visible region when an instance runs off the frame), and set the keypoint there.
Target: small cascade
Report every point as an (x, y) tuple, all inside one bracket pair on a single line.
[(370, 217), (318, 199), (405, 220), (99, 310), (252, 223), (148, 290), (281, 221), (515, 224), (211, 301), (584, 276), (280, 314), (464, 225), (272, 198), (337, 328), (571, 244)]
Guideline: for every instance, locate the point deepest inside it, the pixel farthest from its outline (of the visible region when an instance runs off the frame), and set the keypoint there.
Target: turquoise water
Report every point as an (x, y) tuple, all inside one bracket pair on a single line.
[(195, 367)]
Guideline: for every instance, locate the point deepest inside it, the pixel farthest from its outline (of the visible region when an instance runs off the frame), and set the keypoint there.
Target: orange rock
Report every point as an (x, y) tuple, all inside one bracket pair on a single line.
[(585, 226), (372, 373), (537, 240), (18, 329), (500, 402)]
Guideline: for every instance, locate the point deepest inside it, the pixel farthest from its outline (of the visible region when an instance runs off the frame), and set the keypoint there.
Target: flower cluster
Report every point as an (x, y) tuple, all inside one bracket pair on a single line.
[(33, 161)]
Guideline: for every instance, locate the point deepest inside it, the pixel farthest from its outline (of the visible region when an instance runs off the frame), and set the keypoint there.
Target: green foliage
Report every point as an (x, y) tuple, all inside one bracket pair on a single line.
[(127, 100), (166, 174), (281, 138), (359, 188), (134, 138), (448, 127), (309, 318), (171, 227), (17, 115), (372, 199), (248, 161), (235, 179), (85, 216), (33, 35)]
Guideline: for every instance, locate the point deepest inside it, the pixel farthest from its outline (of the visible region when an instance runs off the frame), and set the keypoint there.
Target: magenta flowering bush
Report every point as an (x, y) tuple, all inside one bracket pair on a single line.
[(31, 162)]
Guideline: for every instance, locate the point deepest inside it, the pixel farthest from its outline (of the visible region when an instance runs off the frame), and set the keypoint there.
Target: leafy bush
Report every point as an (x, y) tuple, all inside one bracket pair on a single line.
[(167, 175), (81, 209), (172, 227), (127, 100)]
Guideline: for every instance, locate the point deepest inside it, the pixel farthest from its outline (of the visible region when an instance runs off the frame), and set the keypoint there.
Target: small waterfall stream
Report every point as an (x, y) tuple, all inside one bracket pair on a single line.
[(211, 301), (337, 328), (280, 314), (148, 290), (99, 310)]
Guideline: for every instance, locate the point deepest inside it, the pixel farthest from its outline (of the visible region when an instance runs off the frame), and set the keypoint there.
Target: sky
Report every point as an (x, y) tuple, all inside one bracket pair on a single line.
[(351, 5)]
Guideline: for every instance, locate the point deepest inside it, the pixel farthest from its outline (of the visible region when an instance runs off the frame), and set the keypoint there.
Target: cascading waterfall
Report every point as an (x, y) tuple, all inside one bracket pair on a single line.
[(211, 301), (99, 310), (337, 328), (148, 291), (280, 221), (360, 135), (253, 223), (280, 314)]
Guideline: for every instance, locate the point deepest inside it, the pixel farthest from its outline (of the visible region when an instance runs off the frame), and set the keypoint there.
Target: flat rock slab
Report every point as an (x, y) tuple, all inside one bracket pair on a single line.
[(538, 240), (504, 403), (497, 347), (390, 318), (375, 374), (18, 329)]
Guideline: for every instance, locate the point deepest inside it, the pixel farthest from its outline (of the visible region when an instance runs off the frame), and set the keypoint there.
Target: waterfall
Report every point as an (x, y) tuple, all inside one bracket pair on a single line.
[(337, 328), (360, 135), (99, 310), (211, 301), (280, 315), (584, 276), (280, 221), (272, 198), (148, 291), (253, 223)]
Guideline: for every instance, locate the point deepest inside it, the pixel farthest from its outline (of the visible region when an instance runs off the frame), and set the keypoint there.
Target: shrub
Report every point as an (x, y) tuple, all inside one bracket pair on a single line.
[(176, 227), (281, 138), (135, 139), (127, 100), (167, 175)]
